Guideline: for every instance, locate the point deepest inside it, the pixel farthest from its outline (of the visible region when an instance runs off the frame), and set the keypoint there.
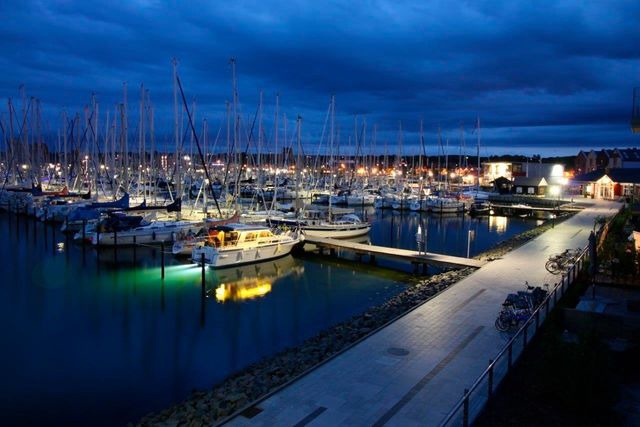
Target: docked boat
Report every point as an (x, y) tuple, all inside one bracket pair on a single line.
[(185, 241), (119, 229), (478, 208), (312, 225), (443, 205), (237, 244)]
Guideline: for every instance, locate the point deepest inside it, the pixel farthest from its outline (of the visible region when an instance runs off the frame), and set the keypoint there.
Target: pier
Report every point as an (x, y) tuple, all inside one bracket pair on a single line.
[(414, 257), (557, 209), (415, 370)]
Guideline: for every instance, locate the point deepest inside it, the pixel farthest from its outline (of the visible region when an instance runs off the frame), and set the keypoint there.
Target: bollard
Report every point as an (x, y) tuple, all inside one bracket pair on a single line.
[(202, 272), (162, 260)]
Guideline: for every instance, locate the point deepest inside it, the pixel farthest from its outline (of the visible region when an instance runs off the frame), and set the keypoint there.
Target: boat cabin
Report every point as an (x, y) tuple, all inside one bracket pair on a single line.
[(237, 235)]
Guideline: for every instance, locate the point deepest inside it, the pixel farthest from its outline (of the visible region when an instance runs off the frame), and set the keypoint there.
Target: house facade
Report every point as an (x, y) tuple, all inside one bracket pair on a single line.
[(531, 186), (610, 184), (625, 158)]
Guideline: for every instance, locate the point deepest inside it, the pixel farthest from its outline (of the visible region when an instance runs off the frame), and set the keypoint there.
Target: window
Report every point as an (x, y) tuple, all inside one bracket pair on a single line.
[(531, 190), (519, 190), (250, 237)]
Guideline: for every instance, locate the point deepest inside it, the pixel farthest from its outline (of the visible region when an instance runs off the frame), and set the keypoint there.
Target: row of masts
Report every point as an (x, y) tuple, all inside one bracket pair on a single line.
[(92, 148)]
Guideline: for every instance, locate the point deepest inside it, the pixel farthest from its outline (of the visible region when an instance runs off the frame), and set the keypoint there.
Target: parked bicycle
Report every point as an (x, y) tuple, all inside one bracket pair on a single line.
[(561, 262), (518, 308)]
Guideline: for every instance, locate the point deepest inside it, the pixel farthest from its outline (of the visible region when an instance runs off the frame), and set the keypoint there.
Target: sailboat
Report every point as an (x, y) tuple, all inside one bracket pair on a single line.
[(313, 225)]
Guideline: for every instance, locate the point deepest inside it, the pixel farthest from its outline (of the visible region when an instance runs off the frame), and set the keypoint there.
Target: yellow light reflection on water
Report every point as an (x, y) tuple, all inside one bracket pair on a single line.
[(499, 223), (242, 290)]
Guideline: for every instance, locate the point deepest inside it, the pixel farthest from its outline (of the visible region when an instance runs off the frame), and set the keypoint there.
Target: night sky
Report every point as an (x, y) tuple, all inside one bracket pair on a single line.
[(544, 77)]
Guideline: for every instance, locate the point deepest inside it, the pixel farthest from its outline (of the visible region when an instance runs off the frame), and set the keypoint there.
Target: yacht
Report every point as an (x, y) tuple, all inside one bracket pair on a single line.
[(313, 225), (236, 244)]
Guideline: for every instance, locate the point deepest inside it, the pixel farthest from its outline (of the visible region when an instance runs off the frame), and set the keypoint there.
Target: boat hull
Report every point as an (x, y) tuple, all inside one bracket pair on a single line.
[(215, 258)]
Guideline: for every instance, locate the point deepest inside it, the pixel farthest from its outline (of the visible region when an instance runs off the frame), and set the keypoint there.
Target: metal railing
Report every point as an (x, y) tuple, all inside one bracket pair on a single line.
[(476, 396)]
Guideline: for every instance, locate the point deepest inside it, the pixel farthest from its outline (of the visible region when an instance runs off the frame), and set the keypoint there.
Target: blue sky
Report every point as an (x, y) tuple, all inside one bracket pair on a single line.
[(544, 77)]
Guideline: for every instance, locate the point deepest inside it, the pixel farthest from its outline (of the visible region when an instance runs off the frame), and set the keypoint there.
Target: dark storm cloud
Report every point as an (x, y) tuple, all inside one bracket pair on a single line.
[(547, 73)]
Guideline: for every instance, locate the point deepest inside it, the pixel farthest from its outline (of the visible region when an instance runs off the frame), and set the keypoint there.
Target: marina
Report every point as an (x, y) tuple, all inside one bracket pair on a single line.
[(319, 214), (119, 313)]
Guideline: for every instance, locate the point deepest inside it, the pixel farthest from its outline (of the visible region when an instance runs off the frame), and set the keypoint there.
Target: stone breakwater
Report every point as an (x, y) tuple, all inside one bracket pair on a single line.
[(261, 378)]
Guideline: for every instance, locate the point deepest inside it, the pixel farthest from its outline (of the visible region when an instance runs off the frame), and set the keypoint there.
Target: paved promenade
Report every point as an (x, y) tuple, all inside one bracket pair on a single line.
[(413, 371)]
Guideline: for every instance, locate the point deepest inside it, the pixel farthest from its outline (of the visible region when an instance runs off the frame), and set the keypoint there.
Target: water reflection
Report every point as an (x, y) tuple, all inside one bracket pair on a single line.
[(254, 280), (498, 223)]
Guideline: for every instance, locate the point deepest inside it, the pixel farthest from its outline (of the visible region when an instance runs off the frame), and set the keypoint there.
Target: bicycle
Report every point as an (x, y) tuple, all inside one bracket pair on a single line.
[(561, 262), (517, 308)]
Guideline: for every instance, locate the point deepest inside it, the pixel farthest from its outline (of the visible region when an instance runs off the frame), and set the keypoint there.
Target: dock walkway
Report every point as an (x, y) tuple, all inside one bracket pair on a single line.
[(412, 372), (415, 257)]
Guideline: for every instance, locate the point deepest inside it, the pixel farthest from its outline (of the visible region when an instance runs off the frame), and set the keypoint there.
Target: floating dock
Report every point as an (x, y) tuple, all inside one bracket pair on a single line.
[(416, 258)]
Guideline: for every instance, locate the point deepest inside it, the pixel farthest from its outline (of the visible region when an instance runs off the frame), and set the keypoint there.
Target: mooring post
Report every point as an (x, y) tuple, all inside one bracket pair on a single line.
[(202, 274), (162, 260)]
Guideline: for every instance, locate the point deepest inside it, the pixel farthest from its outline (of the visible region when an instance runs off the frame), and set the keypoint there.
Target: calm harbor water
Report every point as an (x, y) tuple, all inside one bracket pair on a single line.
[(98, 339)]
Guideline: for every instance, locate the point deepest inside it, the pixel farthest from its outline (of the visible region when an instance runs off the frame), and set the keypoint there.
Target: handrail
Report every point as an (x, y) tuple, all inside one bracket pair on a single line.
[(464, 401)]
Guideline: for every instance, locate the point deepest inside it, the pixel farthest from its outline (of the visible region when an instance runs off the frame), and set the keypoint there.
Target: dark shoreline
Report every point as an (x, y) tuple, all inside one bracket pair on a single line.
[(259, 380)]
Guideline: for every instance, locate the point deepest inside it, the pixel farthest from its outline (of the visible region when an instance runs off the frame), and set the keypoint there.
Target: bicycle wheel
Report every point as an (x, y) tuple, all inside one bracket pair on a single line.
[(501, 325), (552, 267)]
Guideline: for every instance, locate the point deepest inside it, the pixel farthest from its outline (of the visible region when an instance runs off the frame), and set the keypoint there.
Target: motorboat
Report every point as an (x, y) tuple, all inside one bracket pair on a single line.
[(237, 244)]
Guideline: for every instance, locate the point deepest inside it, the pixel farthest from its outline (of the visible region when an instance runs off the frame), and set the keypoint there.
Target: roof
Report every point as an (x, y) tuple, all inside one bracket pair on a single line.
[(630, 154), (625, 175), (501, 180), (530, 181), (239, 227), (589, 176), (622, 175)]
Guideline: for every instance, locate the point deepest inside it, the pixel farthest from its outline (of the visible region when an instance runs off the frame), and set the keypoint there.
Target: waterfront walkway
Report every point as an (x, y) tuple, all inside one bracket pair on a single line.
[(414, 257), (413, 371)]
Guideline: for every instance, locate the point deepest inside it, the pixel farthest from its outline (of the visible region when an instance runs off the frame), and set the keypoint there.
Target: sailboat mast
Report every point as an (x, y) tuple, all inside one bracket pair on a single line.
[(478, 154), (235, 130), (178, 160)]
